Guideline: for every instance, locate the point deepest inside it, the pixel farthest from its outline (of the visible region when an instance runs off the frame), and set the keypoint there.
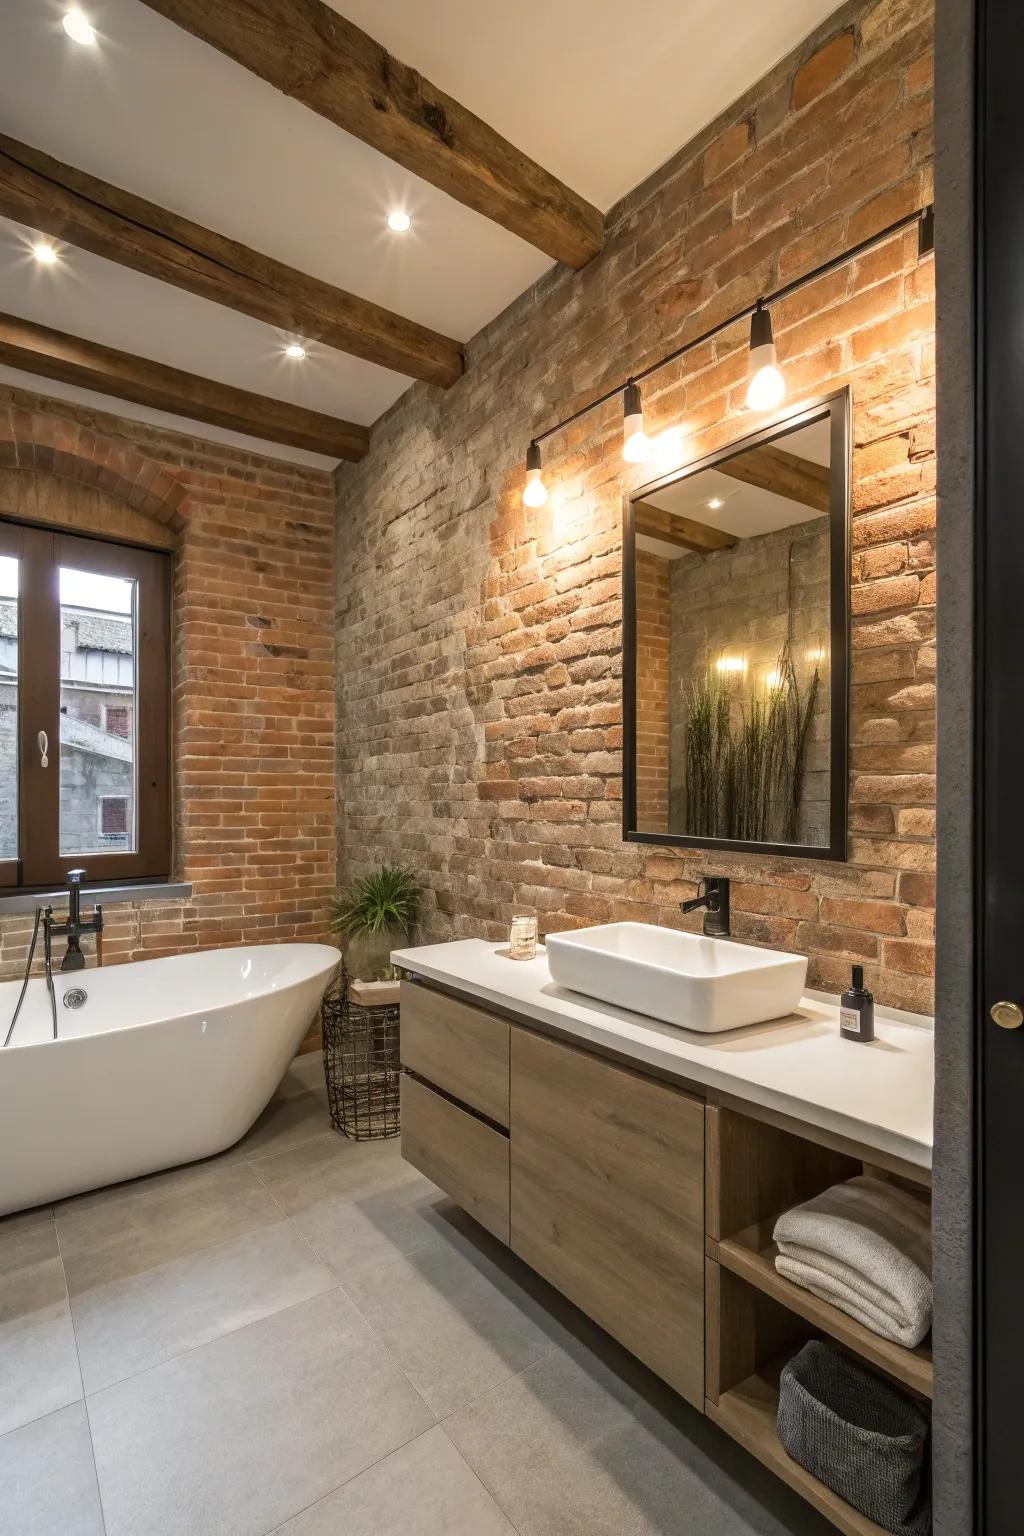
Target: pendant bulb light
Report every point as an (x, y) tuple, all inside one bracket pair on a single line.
[(536, 492), (767, 387), (635, 443)]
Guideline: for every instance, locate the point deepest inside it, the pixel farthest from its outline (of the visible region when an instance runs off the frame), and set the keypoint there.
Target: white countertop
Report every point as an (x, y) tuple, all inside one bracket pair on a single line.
[(880, 1095)]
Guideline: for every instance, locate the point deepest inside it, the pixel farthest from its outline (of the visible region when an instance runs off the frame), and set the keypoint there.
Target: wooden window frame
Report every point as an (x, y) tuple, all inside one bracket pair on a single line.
[(41, 552)]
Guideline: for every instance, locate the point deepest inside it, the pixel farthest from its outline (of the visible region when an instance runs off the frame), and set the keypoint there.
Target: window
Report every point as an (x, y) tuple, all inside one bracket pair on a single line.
[(84, 706)]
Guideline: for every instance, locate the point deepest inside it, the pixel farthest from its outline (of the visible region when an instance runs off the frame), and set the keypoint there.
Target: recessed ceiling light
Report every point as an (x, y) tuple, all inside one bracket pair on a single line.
[(715, 503), (78, 28), (44, 252), (295, 350), (399, 221)]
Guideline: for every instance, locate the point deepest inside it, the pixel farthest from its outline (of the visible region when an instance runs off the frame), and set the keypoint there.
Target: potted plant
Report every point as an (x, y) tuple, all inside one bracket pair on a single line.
[(374, 918)]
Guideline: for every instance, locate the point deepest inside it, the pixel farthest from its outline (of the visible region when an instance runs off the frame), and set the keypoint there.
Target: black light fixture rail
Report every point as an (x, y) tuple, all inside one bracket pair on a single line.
[(924, 218)]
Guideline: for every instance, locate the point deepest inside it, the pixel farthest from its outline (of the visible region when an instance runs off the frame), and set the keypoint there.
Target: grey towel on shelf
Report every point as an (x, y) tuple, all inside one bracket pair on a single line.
[(866, 1247)]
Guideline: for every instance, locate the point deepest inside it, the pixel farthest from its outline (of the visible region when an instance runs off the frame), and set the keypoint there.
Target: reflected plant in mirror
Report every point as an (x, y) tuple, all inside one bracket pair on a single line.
[(736, 613)]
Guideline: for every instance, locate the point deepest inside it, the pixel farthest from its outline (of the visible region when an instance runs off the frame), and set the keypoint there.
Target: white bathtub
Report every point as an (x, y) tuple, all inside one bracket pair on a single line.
[(165, 1062)]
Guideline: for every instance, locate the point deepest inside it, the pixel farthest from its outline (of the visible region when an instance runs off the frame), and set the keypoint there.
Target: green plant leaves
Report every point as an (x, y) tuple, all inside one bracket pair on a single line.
[(744, 781), (387, 898)]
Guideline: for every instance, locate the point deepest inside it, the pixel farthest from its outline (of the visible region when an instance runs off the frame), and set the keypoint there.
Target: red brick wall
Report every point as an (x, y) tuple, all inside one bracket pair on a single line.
[(653, 634), (479, 681), (253, 666)]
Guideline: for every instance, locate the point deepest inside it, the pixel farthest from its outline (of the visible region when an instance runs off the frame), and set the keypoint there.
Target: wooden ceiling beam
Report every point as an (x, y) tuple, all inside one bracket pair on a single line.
[(311, 53), (67, 204), (56, 355), (785, 474), (657, 523)]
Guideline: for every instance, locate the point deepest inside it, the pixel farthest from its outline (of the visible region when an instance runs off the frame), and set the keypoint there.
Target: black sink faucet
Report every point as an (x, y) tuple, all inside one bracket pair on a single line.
[(714, 898), (73, 929)]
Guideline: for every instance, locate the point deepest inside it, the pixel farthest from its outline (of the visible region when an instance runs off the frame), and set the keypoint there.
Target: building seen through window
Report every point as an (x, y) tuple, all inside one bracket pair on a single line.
[(97, 711)]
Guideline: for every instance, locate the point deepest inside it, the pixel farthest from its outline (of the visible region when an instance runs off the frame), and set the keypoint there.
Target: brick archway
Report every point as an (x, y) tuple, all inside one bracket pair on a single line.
[(59, 445)]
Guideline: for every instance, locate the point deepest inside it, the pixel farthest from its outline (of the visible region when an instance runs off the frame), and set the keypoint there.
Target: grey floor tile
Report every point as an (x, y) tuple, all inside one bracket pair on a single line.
[(239, 1435), (569, 1448), (358, 1203), (26, 1238), (134, 1227), (424, 1489), (305, 1075), (38, 1360), (14, 1228), (128, 1325), (455, 1314), (47, 1478), (290, 1119)]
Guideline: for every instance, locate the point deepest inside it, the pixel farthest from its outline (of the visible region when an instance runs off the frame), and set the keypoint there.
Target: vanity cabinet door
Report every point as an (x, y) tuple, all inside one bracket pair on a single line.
[(607, 1199)]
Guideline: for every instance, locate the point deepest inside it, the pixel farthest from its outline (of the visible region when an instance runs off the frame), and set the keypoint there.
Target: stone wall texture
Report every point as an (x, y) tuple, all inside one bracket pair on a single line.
[(479, 642), (253, 665)]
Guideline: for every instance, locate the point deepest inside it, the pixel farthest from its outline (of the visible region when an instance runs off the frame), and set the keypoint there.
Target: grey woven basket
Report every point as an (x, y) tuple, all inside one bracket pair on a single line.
[(859, 1436)]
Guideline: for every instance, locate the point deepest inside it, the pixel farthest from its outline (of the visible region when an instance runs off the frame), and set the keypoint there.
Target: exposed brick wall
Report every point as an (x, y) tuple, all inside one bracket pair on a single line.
[(253, 664), (479, 642), (653, 713)]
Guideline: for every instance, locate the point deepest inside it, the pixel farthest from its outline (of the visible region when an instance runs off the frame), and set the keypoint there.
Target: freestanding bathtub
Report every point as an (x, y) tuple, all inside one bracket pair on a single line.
[(165, 1061)]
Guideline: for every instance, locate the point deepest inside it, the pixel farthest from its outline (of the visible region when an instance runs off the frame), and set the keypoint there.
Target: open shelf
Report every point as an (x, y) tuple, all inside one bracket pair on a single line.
[(748, 1412), (750, 1254)]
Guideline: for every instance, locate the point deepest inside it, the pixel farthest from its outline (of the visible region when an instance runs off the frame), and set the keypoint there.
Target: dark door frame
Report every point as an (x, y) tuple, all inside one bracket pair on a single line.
[(998, 742)]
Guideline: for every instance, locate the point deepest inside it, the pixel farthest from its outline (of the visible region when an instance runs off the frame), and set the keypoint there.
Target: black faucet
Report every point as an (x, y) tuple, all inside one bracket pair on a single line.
[(714, 898), (73, 929)]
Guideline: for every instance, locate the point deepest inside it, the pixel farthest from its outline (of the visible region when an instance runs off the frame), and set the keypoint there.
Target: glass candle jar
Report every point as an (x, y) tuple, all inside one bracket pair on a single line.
[(522, 939)]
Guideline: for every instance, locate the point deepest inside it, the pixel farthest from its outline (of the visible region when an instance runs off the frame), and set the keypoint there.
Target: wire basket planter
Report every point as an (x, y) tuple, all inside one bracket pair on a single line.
[(361, 1065)]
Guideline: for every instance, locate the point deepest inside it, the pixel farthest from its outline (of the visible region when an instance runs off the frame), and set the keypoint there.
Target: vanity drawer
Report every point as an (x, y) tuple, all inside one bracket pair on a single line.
[(462, 1155), (461, 1049)]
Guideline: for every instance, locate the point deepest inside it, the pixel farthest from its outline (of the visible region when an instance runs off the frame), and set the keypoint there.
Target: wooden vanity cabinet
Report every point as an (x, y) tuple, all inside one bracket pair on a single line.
[(649, 1206), (607, 1199)]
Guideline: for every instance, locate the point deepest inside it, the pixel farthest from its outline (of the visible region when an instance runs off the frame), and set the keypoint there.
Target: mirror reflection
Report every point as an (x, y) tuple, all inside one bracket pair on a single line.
[(733, 736)]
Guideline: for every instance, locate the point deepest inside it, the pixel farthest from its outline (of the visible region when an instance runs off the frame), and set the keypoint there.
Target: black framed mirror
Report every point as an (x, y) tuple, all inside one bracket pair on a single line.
[(736, 643)]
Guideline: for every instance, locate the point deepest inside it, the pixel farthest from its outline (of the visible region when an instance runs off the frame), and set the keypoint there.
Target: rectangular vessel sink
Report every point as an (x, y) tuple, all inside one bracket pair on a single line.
[(680, 978)]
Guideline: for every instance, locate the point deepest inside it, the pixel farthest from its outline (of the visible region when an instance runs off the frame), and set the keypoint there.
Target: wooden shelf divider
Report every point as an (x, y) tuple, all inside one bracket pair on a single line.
[(750, 1255)]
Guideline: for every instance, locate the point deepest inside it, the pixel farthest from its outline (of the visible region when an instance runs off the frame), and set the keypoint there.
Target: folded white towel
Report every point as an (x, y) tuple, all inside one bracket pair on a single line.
[(866, 1247)]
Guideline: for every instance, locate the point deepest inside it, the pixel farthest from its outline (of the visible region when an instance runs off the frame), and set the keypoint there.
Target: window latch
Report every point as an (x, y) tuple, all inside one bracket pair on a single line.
[(44, 747)]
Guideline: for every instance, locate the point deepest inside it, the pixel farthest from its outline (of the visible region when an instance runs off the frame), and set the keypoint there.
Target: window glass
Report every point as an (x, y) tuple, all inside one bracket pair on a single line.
[(8, 707), (97, 713)]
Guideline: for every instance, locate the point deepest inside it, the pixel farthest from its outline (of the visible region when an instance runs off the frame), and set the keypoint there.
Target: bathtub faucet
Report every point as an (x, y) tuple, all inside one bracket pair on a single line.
[(75, 926)]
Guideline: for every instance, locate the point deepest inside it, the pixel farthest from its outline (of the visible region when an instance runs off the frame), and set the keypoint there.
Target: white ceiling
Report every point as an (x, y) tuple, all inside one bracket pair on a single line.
[(743, 510), (599, 92)]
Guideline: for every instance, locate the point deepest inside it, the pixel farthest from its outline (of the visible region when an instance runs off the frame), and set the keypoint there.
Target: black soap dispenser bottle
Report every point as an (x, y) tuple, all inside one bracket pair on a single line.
[(857, 1009)]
